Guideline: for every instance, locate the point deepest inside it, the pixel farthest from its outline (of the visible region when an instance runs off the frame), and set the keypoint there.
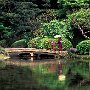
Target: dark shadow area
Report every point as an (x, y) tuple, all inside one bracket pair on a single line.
[(24, 55), (19, 55), (19, 78), (78, 37), (44, 56), (73, 79)]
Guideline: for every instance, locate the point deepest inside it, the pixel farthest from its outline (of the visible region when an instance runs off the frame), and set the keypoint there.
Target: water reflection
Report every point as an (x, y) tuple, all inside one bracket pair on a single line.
[(72, 72), (55, 74)]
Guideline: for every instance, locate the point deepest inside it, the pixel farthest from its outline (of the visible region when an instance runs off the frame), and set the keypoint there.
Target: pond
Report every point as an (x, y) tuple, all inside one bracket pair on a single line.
[(71, 75), (56, 74)]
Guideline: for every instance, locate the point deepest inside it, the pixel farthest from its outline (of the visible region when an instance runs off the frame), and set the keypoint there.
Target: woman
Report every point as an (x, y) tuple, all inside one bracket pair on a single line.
[(60, 44)]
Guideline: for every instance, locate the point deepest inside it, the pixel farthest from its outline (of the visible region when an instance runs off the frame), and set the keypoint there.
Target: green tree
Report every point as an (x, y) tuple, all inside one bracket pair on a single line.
[(5, 34), (21, 16), (71, 6), (78, 25), (53, 28)]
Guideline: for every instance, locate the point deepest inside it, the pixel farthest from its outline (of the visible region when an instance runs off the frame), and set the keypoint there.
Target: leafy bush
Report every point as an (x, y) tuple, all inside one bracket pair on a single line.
[(20, 43), (34, 42), (39, 42), (66, 44), (84, 47), (53, 28), (46, 42), (3, 43)]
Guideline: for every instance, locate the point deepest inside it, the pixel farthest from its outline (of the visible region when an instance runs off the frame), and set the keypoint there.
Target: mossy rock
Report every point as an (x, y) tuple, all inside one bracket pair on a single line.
[(20, 43)]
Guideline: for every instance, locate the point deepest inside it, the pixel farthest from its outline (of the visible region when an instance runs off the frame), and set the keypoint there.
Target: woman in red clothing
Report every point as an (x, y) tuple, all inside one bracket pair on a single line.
[(60, 44)]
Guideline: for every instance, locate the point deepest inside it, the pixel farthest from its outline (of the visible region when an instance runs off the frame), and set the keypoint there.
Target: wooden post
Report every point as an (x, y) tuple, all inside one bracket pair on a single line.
[(32, 56)]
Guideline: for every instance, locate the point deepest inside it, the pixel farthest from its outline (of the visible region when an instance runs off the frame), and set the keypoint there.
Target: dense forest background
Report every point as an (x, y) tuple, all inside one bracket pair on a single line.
[(23, 20)]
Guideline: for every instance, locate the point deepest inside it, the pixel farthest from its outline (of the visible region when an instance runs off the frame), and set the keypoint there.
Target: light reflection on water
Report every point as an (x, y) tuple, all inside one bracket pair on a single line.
[(52, 63), (28, 62), (52, 67)]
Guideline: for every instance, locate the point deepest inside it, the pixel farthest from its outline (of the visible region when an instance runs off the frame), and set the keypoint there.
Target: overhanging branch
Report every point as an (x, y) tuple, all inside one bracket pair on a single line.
[(83, 33)]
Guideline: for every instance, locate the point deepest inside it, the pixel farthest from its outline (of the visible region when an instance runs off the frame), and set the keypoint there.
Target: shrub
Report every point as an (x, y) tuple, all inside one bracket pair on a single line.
[(46, 42), (39, 42), (3, 43), (84, 47), (66, 44), (34, 43), (20, 43), (53, 28)]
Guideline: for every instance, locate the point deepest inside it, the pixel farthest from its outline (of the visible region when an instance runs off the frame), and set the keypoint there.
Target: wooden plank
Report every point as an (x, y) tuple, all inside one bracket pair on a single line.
[(24, 50)]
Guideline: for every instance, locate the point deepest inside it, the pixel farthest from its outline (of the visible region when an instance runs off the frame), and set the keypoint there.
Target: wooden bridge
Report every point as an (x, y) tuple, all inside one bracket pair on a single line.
[(33, 53)]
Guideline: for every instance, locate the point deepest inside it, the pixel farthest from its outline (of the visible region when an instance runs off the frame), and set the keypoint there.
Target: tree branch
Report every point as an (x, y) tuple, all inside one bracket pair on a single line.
[(83, 33)]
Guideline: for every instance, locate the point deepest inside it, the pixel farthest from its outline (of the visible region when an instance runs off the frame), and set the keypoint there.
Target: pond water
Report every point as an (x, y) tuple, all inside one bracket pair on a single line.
[(57, 74)]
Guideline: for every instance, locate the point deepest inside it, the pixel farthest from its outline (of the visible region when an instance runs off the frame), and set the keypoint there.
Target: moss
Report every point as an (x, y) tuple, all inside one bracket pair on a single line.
[(20, 43)]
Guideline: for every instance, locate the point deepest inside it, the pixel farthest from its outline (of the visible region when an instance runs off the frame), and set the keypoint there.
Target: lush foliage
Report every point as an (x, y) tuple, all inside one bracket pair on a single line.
[(48, 43), (84, 47), (66, 44), (24, 19), (5, 33), (53, 28), (40, 42), (77, 20), (78, 26), (3, 43)]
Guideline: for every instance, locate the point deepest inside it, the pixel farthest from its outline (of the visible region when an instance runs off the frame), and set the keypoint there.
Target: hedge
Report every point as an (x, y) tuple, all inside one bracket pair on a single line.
[(46, 42), (84, 47)]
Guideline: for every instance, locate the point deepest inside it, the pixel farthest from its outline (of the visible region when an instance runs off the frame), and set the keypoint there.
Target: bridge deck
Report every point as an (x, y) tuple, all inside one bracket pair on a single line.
[(31, 50), (36, 52), (24, 50)]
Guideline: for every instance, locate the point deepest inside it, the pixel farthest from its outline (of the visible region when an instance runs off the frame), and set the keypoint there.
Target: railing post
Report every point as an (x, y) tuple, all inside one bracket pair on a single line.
[(32, 56)]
